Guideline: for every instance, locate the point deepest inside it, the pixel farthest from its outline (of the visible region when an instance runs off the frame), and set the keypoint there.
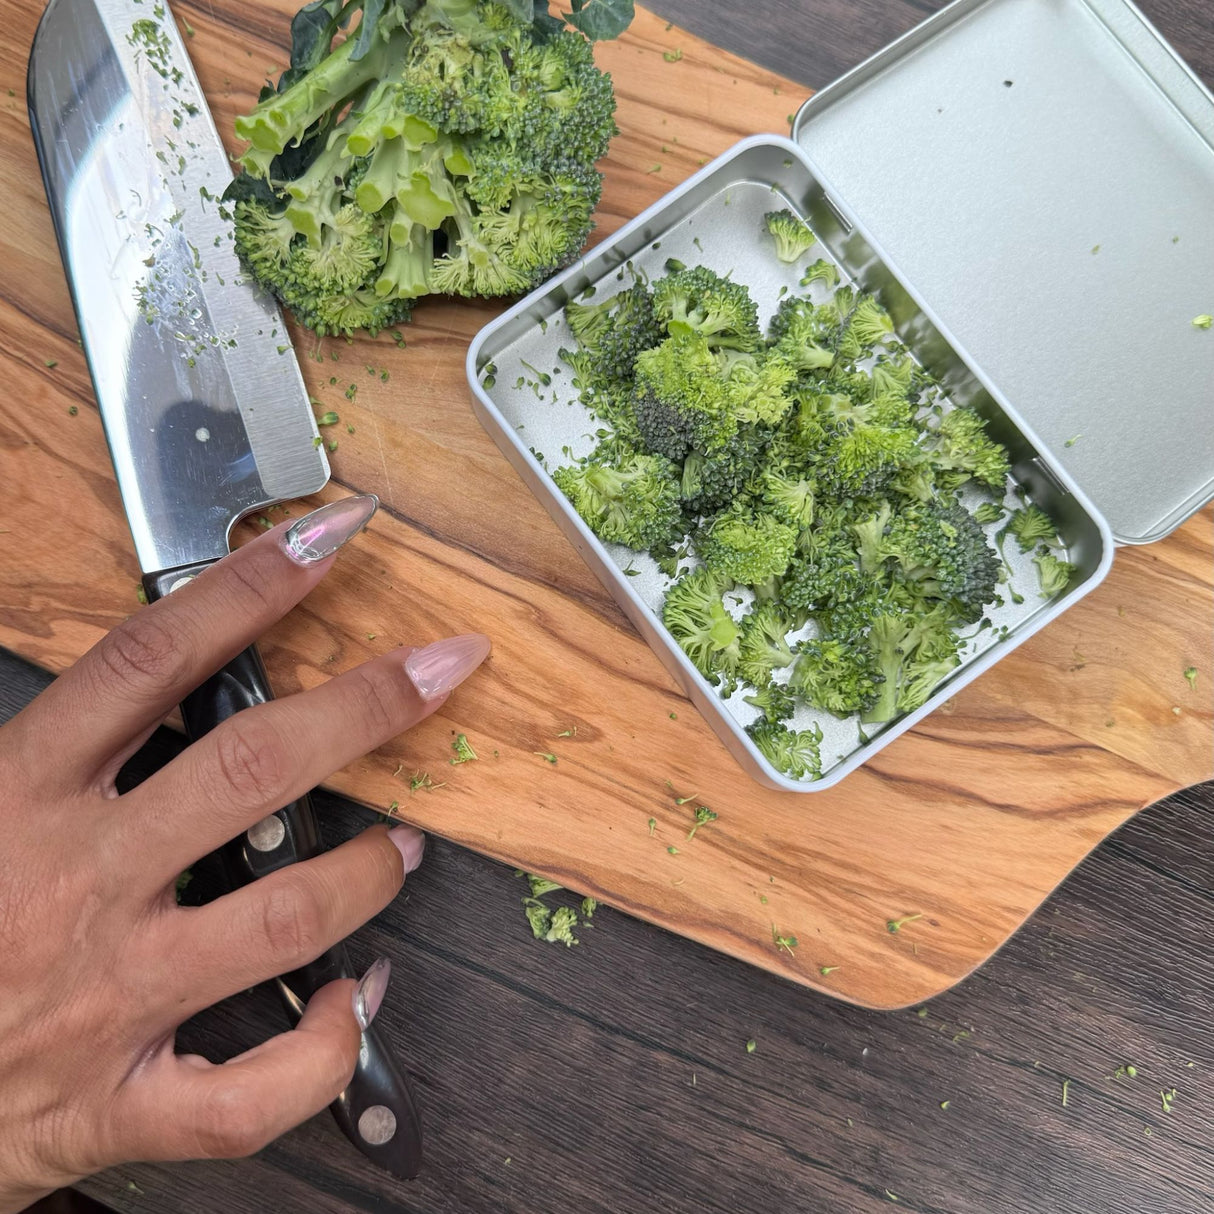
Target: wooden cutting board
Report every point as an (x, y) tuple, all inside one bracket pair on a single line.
[(969, 820)]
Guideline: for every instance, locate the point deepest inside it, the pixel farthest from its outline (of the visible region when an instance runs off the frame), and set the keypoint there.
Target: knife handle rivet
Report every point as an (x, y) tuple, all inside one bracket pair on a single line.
[(377, 1125), (267, 834), (181, 581)]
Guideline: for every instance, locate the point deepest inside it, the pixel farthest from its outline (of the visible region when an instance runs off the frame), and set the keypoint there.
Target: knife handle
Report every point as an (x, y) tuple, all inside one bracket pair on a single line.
[(376, 1111)]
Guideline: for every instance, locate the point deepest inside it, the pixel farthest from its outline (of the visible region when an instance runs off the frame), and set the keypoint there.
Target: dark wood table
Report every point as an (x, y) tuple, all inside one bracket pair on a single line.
[(616, 1077)]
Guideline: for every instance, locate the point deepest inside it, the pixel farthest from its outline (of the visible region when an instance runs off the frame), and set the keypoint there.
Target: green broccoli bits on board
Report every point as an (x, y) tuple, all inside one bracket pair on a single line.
[(815, 508)]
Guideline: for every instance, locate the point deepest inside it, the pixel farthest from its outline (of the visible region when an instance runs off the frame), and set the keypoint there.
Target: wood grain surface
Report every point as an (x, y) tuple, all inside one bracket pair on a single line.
[(970, 820)]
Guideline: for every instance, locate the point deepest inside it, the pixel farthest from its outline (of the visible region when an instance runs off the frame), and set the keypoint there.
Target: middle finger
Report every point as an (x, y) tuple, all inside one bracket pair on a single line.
[(265, 757)]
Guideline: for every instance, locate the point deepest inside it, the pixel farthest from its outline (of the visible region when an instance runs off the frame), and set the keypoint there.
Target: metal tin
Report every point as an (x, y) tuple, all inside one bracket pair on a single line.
[(1043, 172), (715, 218)]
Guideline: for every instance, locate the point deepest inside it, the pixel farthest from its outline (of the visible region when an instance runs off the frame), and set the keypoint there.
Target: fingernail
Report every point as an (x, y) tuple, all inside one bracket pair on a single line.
[(440, 667), (369, 993), (320, 534), (410, 842)]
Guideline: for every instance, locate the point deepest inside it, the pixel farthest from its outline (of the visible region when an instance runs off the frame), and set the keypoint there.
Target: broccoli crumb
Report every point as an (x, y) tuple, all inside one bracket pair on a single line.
[(751, 1046), (896, 925), (673, 56), (944, 1104), (420, 781), (827, 970), (787, 943), (1066, 1088), (72, 411), (1204, 321), (463, 750), (672, 850), (548, 758), (704, 815), (1166, 1097), (50, 363), (657, 168), (328, 419), (674, 716), (1191, 675), (653, 825)]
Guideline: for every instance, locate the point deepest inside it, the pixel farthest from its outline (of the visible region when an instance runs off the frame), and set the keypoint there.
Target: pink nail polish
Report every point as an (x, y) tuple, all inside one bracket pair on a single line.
[(320, 534), (410, 842), (369, 993), (443, 666)]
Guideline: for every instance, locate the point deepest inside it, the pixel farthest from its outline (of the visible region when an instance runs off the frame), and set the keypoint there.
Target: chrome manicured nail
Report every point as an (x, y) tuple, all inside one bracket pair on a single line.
[(443, 666), (369, 993), (410, 842), (320, 534)]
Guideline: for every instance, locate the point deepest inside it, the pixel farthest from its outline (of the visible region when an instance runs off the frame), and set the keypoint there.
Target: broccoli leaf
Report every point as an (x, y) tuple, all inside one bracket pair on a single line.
[(600, 19), (312, 30), (368, 27)]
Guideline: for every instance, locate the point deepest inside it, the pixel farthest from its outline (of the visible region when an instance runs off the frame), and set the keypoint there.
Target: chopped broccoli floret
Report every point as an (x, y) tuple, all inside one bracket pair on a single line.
[(840, 676), (823, 271), (680, 401), (634, 501), (700, 301), (1032, 526), (764, 647), (695, 615), (790, 232), (747, 548), (960, 449), (1054, 573), (794, 752)]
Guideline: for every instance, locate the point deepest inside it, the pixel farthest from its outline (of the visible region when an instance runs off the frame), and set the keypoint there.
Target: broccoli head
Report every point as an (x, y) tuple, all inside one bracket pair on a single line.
[(913, 652), (465, 132), (803, 334), (823, 271), (615, 332), (715, 480)]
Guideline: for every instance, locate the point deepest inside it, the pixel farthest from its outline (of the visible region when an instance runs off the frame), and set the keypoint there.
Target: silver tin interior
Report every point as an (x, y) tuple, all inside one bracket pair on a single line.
[(715, 219), (1043, 172)]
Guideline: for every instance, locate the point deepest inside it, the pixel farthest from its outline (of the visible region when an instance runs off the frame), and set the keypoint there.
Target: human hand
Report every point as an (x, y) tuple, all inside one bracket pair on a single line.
[(98, 963)]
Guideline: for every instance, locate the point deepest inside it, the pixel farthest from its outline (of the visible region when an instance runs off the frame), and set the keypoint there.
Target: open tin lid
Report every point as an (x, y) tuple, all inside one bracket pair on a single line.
[(1042, 172)]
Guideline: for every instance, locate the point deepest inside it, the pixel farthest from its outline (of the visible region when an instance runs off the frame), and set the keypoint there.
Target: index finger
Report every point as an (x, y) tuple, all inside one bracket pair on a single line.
[(132, 679)]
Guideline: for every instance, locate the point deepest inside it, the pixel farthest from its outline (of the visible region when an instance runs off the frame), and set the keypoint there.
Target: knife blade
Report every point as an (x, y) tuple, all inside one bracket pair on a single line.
[(205, 410)]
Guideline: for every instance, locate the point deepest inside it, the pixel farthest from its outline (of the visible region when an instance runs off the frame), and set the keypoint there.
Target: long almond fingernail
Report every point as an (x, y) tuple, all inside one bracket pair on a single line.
[(320, 534), (370, 991), (410, 842), (443, 666)]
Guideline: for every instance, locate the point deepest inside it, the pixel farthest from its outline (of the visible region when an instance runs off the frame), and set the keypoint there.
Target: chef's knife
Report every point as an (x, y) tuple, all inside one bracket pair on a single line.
[(205, 411)]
